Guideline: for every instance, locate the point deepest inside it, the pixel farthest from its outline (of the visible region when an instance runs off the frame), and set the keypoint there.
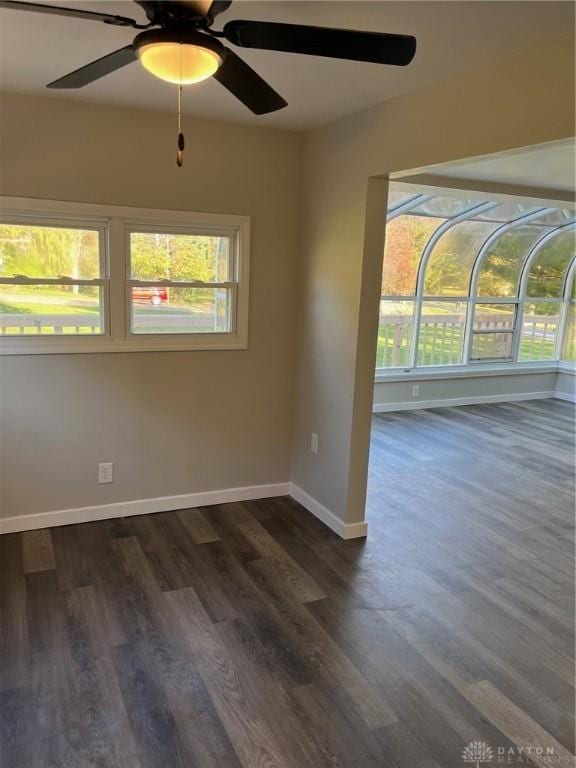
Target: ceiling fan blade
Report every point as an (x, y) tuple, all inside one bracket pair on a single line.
[(247, 85), (377, 47), (56, 10), (96, 69)]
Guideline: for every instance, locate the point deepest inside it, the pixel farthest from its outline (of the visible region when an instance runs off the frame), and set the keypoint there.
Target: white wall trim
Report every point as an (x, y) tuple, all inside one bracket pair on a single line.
[(344, 530), (182, 501), (472, 371), (410, 405), (140, 507)]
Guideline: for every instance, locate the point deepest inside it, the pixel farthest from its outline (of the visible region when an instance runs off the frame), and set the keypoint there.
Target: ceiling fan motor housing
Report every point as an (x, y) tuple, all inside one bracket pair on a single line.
[(195, 11)]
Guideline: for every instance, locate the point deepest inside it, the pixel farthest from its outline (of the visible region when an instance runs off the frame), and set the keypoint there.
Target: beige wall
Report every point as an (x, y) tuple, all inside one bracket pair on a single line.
[(173, 422), (438, 391), (525, 100), (566, 385), (184, 422)]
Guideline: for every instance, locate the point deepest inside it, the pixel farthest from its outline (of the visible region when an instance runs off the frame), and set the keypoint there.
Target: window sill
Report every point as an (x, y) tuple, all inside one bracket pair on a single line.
[(476, 371), (67, 346)]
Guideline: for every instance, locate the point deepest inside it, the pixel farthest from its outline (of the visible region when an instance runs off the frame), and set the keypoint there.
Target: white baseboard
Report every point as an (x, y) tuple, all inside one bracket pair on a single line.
[(182, 501), (344, 530), (410, 405), (140, 507), (570, 397)]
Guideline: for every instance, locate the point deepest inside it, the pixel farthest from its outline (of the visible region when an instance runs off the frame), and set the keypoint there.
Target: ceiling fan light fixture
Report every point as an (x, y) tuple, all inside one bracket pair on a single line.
[(185, 61)]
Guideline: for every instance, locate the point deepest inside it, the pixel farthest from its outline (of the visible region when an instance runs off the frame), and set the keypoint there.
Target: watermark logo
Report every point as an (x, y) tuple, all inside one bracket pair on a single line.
[(478, 753)]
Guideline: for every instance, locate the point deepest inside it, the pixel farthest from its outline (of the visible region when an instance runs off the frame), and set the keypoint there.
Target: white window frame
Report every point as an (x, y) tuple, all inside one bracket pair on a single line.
[(114, 222), (469, 365)]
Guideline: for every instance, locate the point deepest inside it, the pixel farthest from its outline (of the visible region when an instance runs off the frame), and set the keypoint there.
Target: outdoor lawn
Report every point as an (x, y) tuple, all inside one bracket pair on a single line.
[(60, 309)]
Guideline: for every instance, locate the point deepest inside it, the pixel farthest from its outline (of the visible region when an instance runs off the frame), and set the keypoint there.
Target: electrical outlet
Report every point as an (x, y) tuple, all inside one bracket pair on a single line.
[(416, 390), (106, 472), (314, 442)]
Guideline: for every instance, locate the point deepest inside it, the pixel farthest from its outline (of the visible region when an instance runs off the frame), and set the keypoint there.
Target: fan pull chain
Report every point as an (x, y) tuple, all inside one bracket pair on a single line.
[(180, 150)]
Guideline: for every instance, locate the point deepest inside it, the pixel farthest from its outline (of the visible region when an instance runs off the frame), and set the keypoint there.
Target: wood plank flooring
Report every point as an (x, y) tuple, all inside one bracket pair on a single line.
[(250, 636)]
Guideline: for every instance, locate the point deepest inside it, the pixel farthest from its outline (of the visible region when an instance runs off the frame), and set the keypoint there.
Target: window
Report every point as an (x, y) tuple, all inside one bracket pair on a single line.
[(469, 280), (501, 267), (79, 278), (406, 239), (441, 332), (395, 334), (180, 283), (569, 346), (549, 264), (52, 279), (539, 330), (493, 332), (450, 264)]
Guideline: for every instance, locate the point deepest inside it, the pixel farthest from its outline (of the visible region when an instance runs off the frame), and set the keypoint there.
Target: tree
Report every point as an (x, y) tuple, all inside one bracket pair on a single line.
[(406, 238)]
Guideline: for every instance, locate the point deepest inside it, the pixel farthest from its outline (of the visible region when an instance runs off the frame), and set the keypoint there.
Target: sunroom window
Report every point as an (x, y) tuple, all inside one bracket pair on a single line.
[(468, 281)]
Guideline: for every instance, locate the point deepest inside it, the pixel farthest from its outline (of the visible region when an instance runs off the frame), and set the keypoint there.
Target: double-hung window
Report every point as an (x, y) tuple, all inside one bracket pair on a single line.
[(81, 278), (180, 281), (53, 278)]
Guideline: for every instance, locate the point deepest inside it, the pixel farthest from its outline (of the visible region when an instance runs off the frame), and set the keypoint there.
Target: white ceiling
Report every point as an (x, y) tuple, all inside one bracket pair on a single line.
[(452, 37), (546, 166)]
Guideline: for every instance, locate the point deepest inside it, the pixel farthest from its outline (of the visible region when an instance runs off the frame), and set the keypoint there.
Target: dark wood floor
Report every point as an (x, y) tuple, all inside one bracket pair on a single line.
[(249, 635)]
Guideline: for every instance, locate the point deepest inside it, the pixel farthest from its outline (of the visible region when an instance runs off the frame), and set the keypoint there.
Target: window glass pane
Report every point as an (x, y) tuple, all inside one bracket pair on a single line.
[(505, 212), (441, 332), (50, 309), (491, 346), (450, 264), (494, 316), (539, 329), (406, 238), (396, 198), (500, 270), (395, 334), (159, 256), (49, 252), (547, 271), (569, 345), (552, 219), (180, 310), (445, 207)]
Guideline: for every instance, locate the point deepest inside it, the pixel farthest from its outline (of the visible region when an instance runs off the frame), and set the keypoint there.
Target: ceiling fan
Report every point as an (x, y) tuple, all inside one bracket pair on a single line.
[(179, 45)]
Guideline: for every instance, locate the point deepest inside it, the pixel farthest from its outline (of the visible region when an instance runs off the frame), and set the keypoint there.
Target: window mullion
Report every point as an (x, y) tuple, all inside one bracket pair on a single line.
[(116, 269), (50, 281), (417, 312), (178, 284)]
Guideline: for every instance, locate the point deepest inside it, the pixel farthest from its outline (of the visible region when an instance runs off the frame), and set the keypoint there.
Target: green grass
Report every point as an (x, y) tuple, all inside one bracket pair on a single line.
[(23, 308), (27, 305)]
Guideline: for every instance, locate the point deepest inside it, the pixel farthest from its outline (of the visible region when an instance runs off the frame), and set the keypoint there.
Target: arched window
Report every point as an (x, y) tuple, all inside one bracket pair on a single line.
[(569, 341), (468, 280)]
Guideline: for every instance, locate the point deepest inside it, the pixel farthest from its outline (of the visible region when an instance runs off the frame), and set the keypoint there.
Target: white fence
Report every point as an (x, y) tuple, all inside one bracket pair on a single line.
[(441, 337), (49, 325), (15, 325)]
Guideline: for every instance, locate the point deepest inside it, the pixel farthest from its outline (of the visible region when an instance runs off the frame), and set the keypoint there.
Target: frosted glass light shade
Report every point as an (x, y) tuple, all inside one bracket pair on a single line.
[(179, 63)]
